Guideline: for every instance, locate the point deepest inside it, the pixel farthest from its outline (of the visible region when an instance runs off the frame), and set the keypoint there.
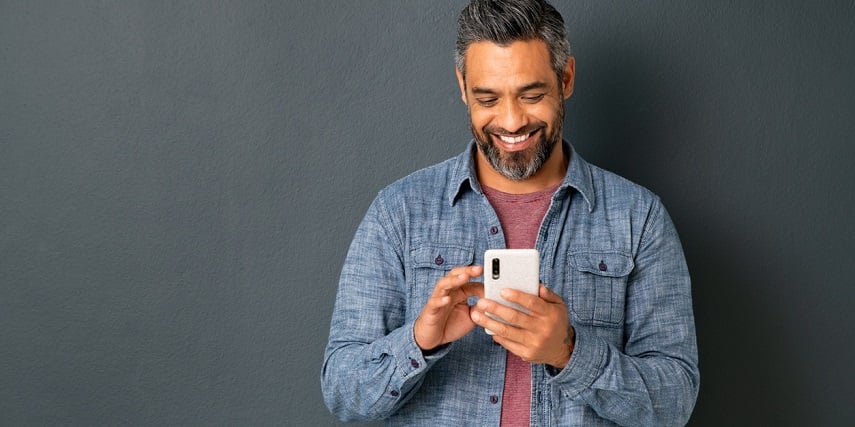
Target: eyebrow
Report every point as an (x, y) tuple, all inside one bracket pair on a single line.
[(531, 86)]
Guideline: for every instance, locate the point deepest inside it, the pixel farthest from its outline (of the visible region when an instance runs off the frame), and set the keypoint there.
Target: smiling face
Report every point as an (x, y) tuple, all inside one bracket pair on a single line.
[(516, 105)]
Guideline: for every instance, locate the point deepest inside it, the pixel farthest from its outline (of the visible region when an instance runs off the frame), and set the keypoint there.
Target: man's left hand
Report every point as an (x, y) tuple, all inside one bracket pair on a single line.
[(544, 335)]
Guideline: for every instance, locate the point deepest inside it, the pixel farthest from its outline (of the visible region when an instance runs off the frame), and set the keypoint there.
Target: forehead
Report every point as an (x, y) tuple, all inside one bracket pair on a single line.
[(515, 65)]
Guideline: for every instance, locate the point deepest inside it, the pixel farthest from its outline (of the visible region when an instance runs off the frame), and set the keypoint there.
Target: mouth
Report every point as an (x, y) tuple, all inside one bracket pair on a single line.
[(515, 142)]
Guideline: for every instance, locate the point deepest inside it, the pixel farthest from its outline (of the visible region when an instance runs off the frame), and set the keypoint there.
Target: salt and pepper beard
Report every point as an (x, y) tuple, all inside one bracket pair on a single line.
[(520, 165)]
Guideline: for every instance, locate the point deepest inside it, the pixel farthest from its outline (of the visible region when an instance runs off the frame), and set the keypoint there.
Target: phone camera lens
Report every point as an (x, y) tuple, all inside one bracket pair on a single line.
[(495, 268)]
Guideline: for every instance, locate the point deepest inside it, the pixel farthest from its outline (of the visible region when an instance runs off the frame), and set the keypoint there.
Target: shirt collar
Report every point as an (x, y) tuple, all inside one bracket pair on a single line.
[(464, 176)]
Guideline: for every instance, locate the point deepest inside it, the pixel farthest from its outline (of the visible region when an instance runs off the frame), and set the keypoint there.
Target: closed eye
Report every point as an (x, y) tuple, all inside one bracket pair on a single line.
[(486, 102), (533, 98)]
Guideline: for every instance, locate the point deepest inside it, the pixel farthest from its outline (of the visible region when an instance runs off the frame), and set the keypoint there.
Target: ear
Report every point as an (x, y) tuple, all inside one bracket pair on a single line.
[(569, 77), (462, 83)]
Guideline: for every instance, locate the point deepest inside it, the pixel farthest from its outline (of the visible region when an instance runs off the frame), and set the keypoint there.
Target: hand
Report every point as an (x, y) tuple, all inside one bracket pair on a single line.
[(445, 317), (544, 335)]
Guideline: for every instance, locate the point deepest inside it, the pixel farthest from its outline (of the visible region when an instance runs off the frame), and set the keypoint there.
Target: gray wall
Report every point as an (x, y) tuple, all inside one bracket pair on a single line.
[(179, 182)]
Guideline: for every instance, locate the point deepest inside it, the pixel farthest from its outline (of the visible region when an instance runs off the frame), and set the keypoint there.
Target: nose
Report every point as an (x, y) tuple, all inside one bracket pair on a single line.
[(511, 116)]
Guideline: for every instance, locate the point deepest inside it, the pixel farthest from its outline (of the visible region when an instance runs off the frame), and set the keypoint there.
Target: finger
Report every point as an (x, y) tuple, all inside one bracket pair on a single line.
[(508, 314), (550, 296), (436, 305), (458, 276), (459, 286), (473, 289), (459, 271), (471, 270), (497, 327), (517, 348), (529, 301)]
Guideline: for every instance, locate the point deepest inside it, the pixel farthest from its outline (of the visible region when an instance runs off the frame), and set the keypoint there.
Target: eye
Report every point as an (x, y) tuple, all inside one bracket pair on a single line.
[(531, 99), (486, 102)]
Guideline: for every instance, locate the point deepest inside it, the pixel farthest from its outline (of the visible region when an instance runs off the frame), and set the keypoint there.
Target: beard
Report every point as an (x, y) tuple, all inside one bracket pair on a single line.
[(520, 165)]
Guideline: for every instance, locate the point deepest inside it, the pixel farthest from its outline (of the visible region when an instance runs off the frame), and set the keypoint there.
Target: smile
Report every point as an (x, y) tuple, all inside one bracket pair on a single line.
[(513, 139)]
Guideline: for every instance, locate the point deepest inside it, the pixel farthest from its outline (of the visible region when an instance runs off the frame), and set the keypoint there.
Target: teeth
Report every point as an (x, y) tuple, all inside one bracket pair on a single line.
[(514, 139)]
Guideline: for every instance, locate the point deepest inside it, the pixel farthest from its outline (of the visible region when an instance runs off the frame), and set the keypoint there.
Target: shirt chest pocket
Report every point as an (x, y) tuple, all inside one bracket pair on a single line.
[(431, 262), (598, 286)]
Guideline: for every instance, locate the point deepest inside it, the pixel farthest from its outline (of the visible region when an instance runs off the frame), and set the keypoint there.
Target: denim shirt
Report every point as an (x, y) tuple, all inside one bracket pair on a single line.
[(607, 246)]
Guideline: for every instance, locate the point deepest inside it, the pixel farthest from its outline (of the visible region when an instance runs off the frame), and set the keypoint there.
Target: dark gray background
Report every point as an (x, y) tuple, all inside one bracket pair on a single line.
[(179, 182)]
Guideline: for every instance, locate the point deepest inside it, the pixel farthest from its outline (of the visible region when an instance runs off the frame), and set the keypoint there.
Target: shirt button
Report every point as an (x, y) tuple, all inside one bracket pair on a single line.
[(438, 260), (394, 393), (494, 230), (414, 363), (494, 399), (603, 266)]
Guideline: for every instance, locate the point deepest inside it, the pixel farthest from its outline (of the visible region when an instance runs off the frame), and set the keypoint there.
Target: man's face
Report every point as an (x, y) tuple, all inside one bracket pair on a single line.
[(516, 104)]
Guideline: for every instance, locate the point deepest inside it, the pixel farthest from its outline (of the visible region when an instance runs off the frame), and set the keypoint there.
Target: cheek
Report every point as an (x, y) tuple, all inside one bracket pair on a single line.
[(480, 119), (544, 113)]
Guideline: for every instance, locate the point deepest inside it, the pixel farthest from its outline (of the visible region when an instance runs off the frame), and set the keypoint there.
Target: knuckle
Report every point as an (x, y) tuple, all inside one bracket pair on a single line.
[(527, 355), (513, 317), (502, 329), (441, 282), (457, 271)]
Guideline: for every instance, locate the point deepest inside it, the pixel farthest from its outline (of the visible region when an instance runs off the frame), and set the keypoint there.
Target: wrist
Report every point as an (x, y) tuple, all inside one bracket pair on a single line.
[(416, 335), (420, 342), (564, 358), (569, 344)]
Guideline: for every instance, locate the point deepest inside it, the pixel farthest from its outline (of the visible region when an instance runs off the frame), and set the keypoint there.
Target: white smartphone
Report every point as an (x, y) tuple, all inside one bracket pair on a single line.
[(510, 268)]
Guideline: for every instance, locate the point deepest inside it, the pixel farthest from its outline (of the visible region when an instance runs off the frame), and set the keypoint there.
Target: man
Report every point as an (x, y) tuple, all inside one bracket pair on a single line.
[(609, 339)]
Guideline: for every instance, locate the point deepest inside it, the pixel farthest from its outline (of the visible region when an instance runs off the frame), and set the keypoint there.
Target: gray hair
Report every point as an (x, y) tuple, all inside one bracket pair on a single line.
[(506, 21)]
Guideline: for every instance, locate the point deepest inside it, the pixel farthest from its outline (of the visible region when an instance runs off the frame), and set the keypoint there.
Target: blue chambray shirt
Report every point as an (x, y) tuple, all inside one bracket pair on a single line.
[(607, 246)]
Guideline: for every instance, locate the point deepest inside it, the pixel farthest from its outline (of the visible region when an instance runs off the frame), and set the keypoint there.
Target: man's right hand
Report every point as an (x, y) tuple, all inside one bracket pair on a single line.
[(445, 318)]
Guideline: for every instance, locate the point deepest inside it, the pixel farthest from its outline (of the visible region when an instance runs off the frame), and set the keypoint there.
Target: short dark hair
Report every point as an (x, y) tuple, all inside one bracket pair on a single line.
[(506, 21)]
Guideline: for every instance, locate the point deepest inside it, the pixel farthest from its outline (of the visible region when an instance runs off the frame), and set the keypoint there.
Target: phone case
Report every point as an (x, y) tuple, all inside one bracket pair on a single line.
[(510, 268)]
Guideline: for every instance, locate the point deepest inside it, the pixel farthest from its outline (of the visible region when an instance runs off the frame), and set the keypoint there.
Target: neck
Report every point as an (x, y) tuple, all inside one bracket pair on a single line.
[(550, 174)]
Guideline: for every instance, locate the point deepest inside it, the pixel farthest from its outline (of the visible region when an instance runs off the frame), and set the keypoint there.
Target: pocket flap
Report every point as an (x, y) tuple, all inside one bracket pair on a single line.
[(444, 257), (609, 264)]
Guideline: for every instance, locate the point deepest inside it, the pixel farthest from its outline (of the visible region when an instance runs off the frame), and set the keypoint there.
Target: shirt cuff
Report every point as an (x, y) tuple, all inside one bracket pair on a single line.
[(411, 360), (585, 365)]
